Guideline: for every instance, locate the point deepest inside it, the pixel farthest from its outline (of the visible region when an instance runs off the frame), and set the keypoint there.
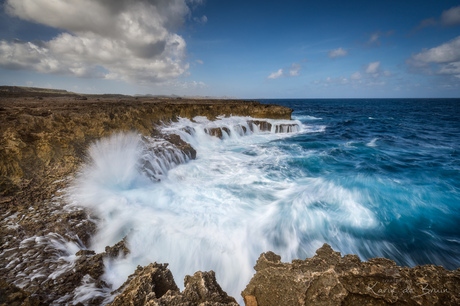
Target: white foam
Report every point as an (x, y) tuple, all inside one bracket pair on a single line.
[(372, 143), (305, 117), (239, 198)]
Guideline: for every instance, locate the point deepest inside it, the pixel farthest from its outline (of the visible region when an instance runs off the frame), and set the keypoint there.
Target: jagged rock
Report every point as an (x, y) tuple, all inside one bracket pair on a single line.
[(146, 285), (286, 128), (330, 279), (261, 124), (119, 249), (44, 137), (185, 147), (10, 295), (202, 288), (87, 268), (217, 132), (154, 285)]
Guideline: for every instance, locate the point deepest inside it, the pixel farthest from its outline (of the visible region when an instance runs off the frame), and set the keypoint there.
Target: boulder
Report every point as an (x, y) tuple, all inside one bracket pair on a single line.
[(330, 279)]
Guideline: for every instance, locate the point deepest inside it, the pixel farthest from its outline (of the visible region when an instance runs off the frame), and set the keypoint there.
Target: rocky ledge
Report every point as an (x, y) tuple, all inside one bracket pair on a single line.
[(44, 136), (330, 279)]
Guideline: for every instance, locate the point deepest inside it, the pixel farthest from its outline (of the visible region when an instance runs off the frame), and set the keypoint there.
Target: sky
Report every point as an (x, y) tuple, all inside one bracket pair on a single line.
[(233, 48)]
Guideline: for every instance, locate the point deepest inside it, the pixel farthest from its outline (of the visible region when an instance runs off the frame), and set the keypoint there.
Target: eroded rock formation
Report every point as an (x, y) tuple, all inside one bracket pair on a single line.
[(330, 279), (48, 137), (43, 139), (154, 285)]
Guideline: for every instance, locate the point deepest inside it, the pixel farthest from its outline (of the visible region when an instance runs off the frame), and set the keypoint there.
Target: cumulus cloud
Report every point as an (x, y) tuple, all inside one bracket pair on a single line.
[(372, 68), (356, 76), (370, 75), (113, 39), (293, 70), (276, 75), (451, 17), (337, 53), (443, 59)]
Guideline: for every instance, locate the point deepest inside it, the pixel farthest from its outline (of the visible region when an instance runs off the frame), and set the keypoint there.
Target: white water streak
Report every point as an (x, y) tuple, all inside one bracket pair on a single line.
[(218, 212)]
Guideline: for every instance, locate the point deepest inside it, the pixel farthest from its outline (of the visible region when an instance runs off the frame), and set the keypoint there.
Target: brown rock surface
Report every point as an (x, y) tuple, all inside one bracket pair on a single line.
[(10, 295), (44, 137), (330, 279), (48, 137), (154, 285)]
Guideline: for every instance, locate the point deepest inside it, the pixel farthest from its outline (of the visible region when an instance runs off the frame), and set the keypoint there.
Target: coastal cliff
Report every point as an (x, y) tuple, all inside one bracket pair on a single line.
[(44, 140), (48, 134)]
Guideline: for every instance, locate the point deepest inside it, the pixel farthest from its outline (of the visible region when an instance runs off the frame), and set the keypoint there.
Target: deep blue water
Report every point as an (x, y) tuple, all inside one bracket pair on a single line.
[(403, 156), (376, 178)]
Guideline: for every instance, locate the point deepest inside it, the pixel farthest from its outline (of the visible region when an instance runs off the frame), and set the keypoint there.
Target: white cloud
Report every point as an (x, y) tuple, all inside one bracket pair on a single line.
[(372, 68), (332, 81), (370, 75), (441, 60), (451, 17), (337, 53), (293, 71), (356, 76), (116, 39), (276, 75), (445, 53)]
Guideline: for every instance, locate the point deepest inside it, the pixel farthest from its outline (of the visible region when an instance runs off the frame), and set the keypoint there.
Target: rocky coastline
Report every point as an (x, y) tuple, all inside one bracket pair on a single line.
[(44, 137)]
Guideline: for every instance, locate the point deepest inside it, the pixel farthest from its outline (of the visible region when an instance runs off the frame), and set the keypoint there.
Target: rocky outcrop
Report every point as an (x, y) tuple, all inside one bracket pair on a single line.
[(44, 137), (264, 125), (48, 137), (217, 132), (10, 295), (154, 285), (330, 279)]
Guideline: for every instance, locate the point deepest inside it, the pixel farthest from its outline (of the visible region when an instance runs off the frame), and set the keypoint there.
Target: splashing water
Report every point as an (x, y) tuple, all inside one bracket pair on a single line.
[(283, 186), (218, 212)]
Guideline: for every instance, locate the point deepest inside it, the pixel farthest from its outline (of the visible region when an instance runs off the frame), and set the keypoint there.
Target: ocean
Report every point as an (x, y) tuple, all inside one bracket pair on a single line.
[(372, 177)]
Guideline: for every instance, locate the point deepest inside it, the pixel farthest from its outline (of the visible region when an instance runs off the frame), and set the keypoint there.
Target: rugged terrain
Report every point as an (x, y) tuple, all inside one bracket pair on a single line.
[(44, 137)]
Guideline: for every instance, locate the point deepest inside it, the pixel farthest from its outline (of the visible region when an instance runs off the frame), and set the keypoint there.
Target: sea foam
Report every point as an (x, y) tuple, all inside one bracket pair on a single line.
[(239, 198)]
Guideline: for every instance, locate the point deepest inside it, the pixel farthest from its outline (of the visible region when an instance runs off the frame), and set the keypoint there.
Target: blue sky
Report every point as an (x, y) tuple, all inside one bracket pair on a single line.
[(244, 49)]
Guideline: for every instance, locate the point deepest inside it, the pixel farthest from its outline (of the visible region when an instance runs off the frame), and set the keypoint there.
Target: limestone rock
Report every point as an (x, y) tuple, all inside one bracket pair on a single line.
[(10, 295), (154, 285), (330, 279), (145, 285), (44, 137), (217, 132), (261, 124), (202, 288)]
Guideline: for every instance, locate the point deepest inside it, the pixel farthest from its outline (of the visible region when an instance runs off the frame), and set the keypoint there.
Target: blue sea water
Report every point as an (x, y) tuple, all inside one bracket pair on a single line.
[(369, 177), (402, 156)]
